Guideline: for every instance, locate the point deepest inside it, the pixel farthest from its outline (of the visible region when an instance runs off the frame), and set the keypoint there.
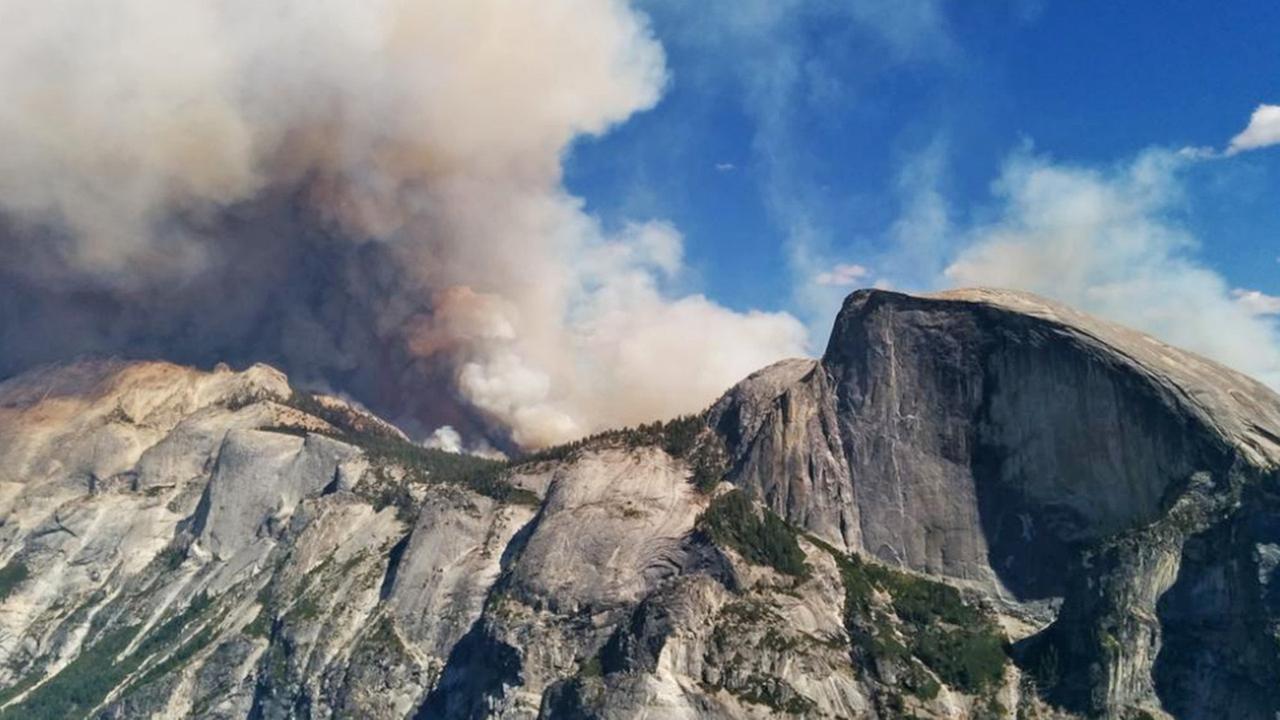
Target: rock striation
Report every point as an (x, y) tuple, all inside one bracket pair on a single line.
[(1043, 458), (976, 504)]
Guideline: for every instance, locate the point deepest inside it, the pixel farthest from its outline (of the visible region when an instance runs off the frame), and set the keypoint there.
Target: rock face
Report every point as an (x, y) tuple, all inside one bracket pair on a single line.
[(1041, 456), (975, 504)]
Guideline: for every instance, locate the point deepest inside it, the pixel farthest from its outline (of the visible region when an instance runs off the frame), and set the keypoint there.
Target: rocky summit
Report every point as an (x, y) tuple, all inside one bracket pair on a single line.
[(976, 504)]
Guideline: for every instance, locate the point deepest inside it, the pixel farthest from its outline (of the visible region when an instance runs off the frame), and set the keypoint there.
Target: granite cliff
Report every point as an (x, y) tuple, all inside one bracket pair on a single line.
[(977, 504)]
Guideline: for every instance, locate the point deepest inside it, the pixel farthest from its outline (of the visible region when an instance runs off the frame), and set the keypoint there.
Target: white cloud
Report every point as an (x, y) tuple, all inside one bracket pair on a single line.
[(1256, 302), (1108, 242), (1263, 131), (843, 275), (726, 167)]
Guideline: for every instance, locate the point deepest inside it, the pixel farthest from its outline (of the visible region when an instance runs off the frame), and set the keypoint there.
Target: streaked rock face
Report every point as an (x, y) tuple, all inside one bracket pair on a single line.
[(1039, 455), (177, 543)]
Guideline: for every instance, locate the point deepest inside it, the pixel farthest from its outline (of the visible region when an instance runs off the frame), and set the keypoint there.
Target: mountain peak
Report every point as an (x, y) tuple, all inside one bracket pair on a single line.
[(1244, 411), (976, 503)]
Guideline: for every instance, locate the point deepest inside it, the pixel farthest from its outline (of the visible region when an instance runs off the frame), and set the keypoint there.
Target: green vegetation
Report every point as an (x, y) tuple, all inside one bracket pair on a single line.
[(731, 520), (260, 626), (956, 640), (287, 430), (98, 669), (299, 603), (591, 667), (22, 685), (971, 658), (384, 639), (684, 437), (386, 447), (239, 402), (773, 693), (707, 475), (171, 557), (745, 613), (273, 667), (178, 657), (739, 617), (11, 576), (82, 684), (677, 437), (735, 644), (306, 608)]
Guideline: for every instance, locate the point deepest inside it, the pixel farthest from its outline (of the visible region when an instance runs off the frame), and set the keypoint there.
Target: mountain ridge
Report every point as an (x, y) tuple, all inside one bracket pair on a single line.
[(975, 504)]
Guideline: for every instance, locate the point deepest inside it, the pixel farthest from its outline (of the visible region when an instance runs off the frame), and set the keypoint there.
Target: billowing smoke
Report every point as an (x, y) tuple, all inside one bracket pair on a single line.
[(365, 192)]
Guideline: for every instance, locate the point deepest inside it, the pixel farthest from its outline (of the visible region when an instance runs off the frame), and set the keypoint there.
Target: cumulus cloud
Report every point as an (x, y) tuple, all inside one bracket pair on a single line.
[(367, 193), (1262, 131), (1109, 242)]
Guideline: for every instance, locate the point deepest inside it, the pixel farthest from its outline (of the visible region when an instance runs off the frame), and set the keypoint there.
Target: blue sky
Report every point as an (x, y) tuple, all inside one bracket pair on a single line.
[(794, 136)]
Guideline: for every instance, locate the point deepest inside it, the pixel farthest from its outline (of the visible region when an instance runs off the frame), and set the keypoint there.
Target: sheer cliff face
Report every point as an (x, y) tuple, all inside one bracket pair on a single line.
[(176, 543), (1037, 454)]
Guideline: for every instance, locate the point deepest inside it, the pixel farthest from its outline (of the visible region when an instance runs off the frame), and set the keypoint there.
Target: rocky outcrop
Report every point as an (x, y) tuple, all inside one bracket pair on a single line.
[(197, 544), (1042, 457), (975, 504), (613, 529)]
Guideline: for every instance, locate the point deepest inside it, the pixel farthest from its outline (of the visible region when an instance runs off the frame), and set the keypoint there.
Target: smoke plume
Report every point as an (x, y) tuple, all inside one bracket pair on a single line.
[(367, 193)]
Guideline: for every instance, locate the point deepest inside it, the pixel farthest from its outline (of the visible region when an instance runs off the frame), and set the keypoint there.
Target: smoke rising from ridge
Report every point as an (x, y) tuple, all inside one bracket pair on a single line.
[(365, 193)]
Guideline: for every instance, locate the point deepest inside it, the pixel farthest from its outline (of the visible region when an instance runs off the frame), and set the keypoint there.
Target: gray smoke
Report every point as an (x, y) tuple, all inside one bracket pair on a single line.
[(366, 193)]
